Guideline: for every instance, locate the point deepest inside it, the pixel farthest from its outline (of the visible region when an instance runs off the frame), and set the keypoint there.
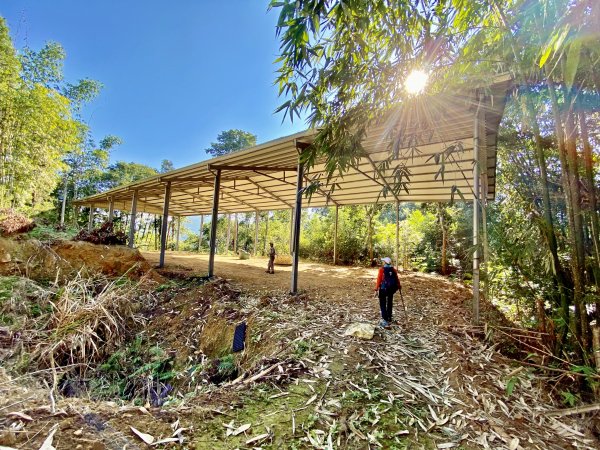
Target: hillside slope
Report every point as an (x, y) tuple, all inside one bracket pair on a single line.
[(426, 382)]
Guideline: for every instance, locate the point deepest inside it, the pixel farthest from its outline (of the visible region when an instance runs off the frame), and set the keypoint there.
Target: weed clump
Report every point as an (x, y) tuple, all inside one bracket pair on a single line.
[(89, 320), (220, 370), (138, 371)]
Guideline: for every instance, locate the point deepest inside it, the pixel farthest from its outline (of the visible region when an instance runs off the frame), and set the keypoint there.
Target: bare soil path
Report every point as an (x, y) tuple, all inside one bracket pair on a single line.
[(250, 274)]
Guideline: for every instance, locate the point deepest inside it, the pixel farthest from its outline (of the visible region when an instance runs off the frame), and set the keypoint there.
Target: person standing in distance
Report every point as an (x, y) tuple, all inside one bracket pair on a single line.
[(271, 265), (387, 285)]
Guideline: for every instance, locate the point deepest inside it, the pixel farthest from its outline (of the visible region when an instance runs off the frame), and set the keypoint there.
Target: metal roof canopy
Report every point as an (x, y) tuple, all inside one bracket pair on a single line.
[(453, 130), (263, 178)]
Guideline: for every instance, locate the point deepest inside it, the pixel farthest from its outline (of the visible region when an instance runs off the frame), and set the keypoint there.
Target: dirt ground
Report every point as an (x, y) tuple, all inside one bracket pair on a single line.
[(327, 281), (427, 382)]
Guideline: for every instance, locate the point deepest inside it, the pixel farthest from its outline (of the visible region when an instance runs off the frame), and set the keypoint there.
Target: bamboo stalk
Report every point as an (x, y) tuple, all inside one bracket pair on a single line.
[(596, 346), (575, 410)]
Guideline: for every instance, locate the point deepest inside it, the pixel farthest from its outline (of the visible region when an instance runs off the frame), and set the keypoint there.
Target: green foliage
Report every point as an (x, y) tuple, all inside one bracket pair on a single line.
[(302, 347), (22, 301), (510, 385), (7, 285), (36, 127), (133, 371), (166, 166), (42, 135), (121, 173), (570, 399), (343, 64), (44, 67), (227, 367), (231, 141)]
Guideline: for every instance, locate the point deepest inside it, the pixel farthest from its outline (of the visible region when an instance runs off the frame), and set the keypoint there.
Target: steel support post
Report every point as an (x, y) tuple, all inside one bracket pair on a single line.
[(178, 231), (335, 235), (266, 232), (132, 224), (111, 210), (476, 215), (213, 225), (296, 229), (165, 224)]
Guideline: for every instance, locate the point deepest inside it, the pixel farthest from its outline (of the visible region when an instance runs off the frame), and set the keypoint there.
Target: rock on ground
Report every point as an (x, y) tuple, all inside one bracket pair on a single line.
[(361, 330)]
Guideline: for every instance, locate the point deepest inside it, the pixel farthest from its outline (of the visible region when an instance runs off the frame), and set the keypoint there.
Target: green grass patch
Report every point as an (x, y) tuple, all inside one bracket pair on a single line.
[(48, 233)]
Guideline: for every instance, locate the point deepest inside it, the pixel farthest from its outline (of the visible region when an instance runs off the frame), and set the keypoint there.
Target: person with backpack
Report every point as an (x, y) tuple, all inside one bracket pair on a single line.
[(388, 284)]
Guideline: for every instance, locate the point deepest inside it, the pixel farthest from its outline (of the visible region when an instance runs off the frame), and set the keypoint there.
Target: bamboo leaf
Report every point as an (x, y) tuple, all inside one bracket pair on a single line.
[(572, 64)]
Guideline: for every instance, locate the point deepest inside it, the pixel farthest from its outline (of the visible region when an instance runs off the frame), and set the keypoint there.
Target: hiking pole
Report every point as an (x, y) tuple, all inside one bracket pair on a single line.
[(403, 305)]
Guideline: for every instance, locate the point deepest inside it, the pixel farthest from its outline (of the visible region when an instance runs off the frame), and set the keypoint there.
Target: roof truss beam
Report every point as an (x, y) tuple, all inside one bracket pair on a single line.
[(273, 196), (251, 168)]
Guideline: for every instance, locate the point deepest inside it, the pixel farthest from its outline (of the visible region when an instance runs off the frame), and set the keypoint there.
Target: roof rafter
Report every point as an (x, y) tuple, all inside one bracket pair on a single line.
[(270, 193)]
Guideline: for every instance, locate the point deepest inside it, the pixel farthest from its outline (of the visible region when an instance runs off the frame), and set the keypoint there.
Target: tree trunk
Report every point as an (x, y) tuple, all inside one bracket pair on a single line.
[(579, 267), (567, 151), (266, 232), (237, 229), (547, 225), (75, 208), (444, 239), (64, 201), (591, 186), (228, 232), (370, 238)]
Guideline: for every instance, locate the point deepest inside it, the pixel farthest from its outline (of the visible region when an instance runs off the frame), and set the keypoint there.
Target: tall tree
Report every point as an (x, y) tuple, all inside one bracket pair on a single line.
[(231, 141), (36, 128), (121, 173), (166, 165)]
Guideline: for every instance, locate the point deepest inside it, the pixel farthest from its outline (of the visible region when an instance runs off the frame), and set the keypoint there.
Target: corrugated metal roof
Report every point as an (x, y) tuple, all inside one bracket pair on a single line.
[(441, 124)]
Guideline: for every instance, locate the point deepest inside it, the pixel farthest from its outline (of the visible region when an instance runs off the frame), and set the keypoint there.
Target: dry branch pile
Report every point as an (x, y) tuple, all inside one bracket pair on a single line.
[(11, 222), (105, 235)]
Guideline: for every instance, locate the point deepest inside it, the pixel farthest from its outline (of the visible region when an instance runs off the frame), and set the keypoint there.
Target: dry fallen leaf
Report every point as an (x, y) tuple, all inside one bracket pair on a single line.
[(147, 438), (20, 415), (260, 437), (514, 444), (165, 441), (310, 400), (47, 444), (447, 445), (241, 429)]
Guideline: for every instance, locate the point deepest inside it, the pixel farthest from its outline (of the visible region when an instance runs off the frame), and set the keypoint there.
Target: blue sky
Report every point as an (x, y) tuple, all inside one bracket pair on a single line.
[(175, 74)]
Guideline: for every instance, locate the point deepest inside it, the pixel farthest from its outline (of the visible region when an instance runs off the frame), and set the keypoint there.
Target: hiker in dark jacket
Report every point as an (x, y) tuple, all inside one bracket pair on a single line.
[(387, 285)]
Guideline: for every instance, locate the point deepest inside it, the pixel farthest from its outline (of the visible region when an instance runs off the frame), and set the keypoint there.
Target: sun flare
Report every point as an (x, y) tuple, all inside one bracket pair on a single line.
[(416, 81)]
